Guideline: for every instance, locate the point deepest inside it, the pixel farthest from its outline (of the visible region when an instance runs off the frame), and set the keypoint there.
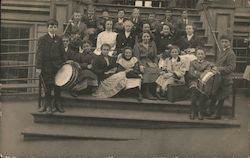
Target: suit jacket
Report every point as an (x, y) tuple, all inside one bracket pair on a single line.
[(80, 29), (137, 28), (180, 27), (91, 22), (50, 56), (100, 66), (118, 27), (192, 43), (122, 41), (226, 63)]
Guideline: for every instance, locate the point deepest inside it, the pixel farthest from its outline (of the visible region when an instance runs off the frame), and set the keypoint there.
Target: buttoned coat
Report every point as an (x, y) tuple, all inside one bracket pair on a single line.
[(50, 56), (122, 41)]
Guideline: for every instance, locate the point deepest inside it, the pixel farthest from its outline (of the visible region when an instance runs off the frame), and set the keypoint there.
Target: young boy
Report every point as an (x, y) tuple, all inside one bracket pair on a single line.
[(77, 29), (225, 66), (197, 67), (50, 56), (119, 21)]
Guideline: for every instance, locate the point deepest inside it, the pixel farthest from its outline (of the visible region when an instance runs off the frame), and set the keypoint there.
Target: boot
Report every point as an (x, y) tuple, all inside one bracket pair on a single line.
[(158, 96), (44, 106), (139, 96), (148, 94), (58, 106), (217, 114), (200, 116), (192, 115)]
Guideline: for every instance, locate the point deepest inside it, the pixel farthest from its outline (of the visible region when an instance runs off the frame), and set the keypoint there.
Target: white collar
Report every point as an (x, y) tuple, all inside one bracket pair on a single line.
[(51, 35), (190, 36)]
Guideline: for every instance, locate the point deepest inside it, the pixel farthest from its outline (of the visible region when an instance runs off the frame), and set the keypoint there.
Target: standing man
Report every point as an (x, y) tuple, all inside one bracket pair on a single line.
[(225, 65), (50, 56)]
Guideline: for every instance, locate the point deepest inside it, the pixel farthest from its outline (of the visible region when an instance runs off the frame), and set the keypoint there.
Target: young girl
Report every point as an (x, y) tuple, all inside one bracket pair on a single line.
[(162, 66), (173, 71), (130, 65), (86, 76), (197, 67)]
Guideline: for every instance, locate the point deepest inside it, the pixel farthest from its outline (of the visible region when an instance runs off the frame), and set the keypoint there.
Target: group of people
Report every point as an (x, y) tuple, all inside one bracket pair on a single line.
[(114, 55)]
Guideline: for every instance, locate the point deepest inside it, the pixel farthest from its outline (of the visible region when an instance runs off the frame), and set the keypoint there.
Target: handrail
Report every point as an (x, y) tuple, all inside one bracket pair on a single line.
[(210, 27)]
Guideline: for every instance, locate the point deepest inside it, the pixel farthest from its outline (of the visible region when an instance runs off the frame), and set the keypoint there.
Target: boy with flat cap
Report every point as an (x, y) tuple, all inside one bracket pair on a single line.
[(49, 58), (225, 65)]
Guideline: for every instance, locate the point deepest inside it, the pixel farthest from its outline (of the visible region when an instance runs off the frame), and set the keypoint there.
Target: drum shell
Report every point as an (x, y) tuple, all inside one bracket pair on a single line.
[(211, 85), (75, 72)]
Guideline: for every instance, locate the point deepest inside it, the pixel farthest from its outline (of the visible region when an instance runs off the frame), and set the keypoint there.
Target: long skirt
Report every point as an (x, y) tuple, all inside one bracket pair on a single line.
[(111, 85), (246, 74), (86, 78), (151, 71), (163, 81)]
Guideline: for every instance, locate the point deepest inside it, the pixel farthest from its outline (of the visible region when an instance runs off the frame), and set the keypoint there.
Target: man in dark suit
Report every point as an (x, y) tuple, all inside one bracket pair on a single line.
[(77, 29), (190, 40), (182, 23), (137, 21), (119, 20), (49, 58)]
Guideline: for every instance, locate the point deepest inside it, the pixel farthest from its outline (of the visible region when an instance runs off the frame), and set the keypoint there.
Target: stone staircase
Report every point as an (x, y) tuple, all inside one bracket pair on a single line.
[(117, 119), (124, 118)]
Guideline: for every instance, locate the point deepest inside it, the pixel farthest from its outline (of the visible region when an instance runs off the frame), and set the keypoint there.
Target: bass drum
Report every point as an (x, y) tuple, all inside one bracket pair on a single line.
[(67, 75), (209, 83)]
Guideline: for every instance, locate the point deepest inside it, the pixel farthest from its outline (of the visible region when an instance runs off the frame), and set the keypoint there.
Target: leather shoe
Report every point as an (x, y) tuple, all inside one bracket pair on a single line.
[(192, 115), (215, 117), (159, 96), (200, 116), (139, 97), (43, 109)]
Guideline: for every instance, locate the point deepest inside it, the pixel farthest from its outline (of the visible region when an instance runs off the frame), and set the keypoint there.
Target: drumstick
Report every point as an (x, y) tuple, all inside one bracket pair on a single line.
[(42, 82)]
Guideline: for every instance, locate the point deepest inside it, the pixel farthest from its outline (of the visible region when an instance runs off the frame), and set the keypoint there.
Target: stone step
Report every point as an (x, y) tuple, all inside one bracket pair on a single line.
[(129, 119), (66, 131), (130, 103)]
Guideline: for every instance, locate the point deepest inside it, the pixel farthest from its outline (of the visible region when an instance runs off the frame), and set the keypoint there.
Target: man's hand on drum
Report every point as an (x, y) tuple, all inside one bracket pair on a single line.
[(38, 72), (215, 69)]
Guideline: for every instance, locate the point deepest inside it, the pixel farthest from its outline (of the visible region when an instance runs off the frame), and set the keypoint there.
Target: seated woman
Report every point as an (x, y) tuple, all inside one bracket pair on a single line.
[(172, 72), (146, 52), (110, 82), (107, 36), (130, 65), (86, 76), (197, 67), (164, 39)]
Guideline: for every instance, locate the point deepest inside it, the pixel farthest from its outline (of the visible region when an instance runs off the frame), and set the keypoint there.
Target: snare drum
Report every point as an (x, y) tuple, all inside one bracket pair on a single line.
[(67, 75), (209, 82)]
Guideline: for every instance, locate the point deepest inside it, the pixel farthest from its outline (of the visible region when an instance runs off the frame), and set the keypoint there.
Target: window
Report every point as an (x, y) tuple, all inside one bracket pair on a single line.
[(14, 54)]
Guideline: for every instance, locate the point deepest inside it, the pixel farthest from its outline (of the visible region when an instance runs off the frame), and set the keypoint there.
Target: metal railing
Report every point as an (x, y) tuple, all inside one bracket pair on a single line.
[(12, 84)]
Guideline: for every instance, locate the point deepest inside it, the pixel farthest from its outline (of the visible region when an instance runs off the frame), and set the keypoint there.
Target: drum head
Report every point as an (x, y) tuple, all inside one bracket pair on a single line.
[(64, 75)]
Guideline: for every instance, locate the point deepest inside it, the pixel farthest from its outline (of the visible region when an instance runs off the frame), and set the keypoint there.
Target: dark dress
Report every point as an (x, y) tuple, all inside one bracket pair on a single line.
[(148, 58), (100, 66), (162, 42), (122, 41), (86, 76)]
